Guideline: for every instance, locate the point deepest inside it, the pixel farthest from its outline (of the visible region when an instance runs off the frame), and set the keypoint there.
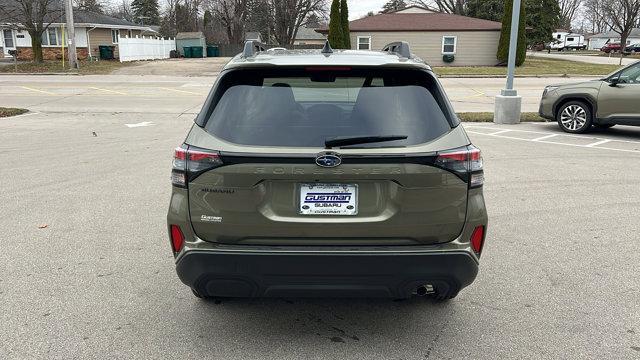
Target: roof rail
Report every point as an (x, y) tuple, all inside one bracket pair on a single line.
[(399, 47), (251, 47)]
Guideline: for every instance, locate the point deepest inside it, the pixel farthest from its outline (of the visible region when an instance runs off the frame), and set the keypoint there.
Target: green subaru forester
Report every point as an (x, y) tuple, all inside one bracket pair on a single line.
[(327, 173)]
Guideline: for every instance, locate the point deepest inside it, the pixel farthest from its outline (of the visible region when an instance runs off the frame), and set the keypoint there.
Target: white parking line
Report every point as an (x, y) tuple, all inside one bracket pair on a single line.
[(499, 132), (545, 137), (107, 90), (27, 114), (140, 124), (541, 140), (598, 143)]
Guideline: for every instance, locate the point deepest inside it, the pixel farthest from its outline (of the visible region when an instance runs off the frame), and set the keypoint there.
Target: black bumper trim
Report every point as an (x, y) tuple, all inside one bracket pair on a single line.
[(317, 274)]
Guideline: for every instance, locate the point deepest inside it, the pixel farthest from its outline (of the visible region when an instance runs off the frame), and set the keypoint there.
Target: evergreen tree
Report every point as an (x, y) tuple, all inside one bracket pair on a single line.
[(335, 26), (393, 5), (503, 45), (486, 9), (146, 11), (543, 16), (344, 20)]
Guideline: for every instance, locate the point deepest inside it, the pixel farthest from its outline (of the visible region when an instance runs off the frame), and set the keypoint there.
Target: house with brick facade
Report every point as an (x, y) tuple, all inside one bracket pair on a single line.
[(92, 31)]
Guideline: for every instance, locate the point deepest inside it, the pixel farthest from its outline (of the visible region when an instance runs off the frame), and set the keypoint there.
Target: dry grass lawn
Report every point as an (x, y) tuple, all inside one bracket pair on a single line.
[(86, 67), (532, 67), (488, 117)]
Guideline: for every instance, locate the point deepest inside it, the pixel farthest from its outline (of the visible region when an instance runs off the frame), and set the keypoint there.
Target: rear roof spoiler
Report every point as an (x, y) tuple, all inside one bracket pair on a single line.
[(251, 48), (401, 48)]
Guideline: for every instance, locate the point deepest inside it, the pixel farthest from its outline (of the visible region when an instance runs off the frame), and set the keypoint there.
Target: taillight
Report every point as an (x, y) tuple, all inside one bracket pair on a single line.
[(177, 239), (466, 162), (477, 239), (188, 163)]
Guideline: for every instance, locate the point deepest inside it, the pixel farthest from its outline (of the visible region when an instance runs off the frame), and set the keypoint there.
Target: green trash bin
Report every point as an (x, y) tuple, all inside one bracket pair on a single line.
[(197, 51), (213, 51), (106, 52), (187, 50)]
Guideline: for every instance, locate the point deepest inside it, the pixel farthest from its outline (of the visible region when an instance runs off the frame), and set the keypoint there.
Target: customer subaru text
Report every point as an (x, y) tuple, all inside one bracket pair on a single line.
[(327, 173)]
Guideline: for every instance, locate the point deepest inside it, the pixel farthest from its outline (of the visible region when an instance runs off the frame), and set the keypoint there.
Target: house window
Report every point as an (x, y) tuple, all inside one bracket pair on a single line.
[(449, 45), (115, 34), (364, 42), (51, 37), (570, 39)]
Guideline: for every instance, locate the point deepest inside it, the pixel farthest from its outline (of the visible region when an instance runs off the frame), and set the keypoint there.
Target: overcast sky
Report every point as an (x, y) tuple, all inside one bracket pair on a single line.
[(359, 8)]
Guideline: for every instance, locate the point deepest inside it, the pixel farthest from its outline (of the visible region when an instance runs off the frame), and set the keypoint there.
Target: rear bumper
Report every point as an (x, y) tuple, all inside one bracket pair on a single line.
[(261, 272)]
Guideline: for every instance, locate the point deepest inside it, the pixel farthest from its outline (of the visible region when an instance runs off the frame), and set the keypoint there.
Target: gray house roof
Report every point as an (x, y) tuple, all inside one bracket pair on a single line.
[(613, 35), (81, 17), (189, 35), (88, 17), (305, 33), (253, 35)]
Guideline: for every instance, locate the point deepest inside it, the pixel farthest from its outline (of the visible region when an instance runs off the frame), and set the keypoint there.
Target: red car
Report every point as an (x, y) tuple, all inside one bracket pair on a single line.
[(611, 47)]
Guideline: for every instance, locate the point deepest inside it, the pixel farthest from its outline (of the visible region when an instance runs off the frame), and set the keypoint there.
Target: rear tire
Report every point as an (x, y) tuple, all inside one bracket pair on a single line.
[(574, 117)]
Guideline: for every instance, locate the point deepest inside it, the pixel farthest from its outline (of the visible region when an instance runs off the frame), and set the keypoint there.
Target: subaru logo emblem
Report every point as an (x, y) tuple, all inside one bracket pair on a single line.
[(328, 160)]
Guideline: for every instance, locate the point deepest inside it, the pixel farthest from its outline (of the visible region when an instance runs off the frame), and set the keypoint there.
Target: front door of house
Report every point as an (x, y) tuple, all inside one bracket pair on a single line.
[(9, 41)]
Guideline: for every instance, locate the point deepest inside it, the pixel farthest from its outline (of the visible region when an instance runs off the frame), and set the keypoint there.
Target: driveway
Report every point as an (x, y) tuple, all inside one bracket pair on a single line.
[(591, 59), (177, 67)]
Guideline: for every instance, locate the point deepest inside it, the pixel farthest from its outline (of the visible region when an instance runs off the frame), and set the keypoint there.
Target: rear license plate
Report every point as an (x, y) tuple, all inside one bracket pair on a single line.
[(328, 199)]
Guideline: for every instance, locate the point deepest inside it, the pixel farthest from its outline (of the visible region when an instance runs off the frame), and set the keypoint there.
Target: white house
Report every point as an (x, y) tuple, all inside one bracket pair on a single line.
[(92, 31), (597, 41)]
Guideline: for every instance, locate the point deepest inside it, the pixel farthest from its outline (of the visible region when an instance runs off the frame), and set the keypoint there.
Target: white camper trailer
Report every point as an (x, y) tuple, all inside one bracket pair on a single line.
[(567, 41)]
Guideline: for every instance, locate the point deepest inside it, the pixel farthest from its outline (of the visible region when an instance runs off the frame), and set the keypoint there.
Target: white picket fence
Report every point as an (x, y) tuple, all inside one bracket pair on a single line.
[(144, 48)]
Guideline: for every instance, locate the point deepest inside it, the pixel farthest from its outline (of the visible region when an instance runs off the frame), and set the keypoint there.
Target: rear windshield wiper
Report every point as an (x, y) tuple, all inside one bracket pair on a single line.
[(356, 140)]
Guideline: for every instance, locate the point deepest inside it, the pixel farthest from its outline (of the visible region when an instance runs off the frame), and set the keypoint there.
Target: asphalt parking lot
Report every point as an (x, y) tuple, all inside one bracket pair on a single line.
[(164, 93), (87, 270)]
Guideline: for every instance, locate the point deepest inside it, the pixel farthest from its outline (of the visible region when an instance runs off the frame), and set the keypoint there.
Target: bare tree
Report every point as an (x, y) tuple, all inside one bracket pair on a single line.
[(35, 16), (568, 11), (592, 12), (168, 19), (621, 16), (446, 6), (232, 14), (289, 15), (89, 5), (121, 10)]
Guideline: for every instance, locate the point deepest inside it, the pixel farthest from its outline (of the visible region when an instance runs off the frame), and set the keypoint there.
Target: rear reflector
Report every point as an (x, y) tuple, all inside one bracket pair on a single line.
[(177, 239), (477, 239)]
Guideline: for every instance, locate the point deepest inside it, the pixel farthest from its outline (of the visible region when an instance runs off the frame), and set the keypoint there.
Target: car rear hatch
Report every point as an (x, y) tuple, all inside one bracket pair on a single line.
[(260, 171)]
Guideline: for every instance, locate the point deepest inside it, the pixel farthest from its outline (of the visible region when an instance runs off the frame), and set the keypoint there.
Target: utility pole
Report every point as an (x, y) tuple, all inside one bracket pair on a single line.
[(508, 105), (73, 57)]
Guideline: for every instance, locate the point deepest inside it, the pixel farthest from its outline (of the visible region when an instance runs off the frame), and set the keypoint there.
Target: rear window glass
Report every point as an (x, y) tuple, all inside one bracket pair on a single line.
[(305, 108)]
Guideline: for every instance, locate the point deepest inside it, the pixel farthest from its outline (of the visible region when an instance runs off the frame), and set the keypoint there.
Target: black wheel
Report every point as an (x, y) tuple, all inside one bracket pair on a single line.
[(604, 126), (574, 117)]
